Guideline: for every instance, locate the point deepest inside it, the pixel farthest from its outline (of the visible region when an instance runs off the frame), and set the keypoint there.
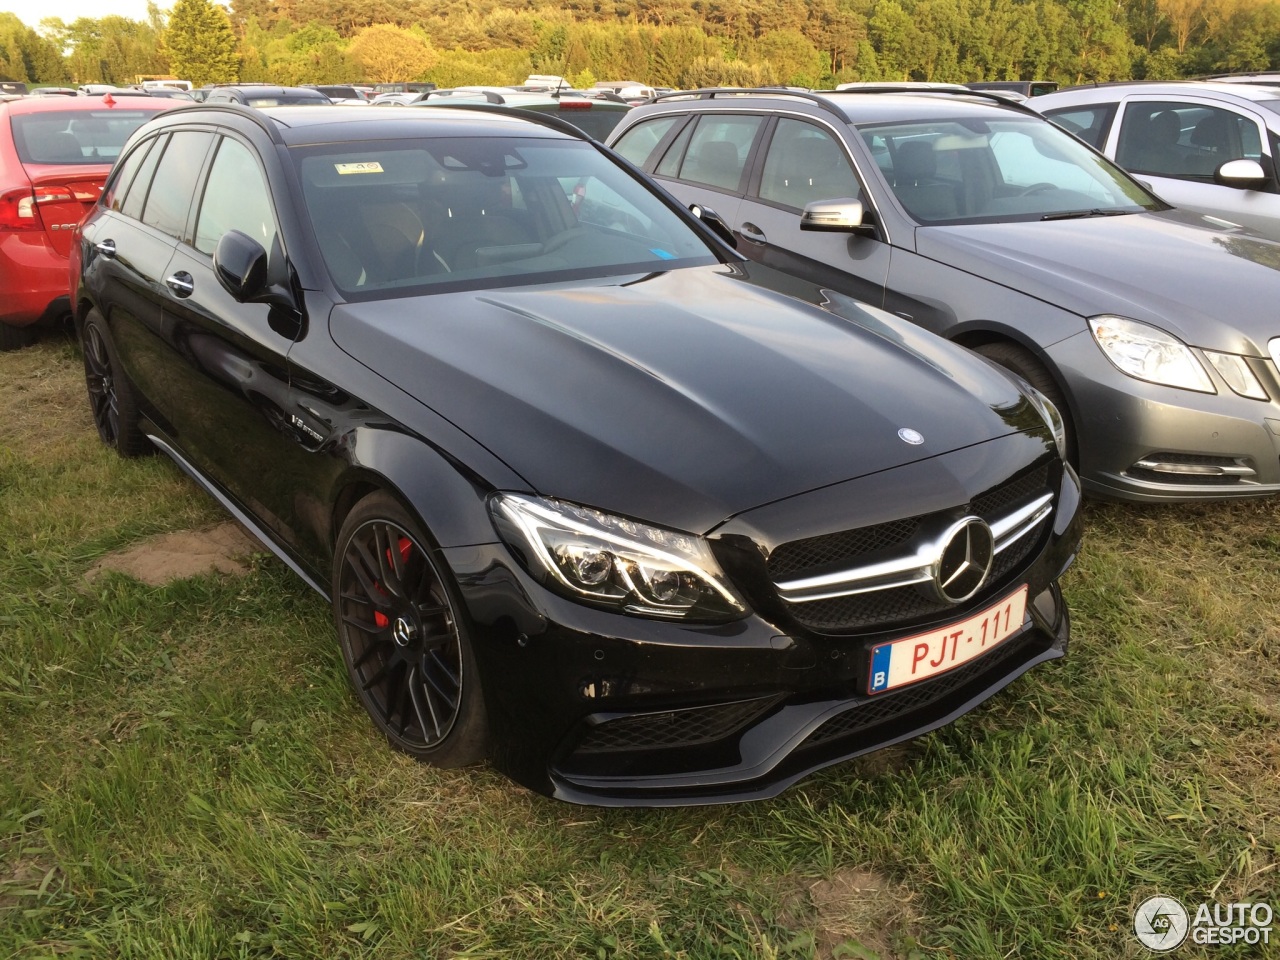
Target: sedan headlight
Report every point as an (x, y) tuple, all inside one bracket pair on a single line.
[(1233, 369), (615, 562), (1148, 353)]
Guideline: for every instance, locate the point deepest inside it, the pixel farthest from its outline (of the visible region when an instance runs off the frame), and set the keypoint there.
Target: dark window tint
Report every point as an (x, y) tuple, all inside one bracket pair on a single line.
[(124, 175), (235, 198), (174, 187), (639, 142), (136, 196), (1088, 123), (805, 163), (717, 153), (1180, 139)]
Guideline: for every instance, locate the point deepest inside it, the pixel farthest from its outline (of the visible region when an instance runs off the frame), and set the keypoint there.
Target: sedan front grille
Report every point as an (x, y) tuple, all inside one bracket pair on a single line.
[(872, 577)]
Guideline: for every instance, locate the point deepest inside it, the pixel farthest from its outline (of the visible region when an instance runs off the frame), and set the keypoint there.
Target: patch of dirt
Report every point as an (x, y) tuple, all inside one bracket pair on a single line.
[(859, 905), (18, 880), (224, 548)]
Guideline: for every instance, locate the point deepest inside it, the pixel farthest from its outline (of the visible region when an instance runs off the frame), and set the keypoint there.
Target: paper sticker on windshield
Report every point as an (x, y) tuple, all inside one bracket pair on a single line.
[(369, 166)]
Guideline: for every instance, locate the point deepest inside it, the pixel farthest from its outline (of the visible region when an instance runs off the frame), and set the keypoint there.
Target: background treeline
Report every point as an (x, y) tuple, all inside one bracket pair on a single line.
[(677, 43)]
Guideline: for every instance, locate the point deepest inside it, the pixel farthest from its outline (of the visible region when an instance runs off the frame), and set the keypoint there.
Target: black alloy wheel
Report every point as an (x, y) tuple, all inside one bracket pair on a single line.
[(407, 653), (111, 396)]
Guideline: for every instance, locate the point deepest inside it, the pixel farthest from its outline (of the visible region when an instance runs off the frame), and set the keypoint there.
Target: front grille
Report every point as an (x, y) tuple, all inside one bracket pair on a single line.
[(877, 710), (672, 728), (896, 605), (836, 549)]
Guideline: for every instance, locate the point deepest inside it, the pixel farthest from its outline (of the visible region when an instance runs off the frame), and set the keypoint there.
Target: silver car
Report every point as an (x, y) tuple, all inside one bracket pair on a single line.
[(1151, 328), (1205, 146)]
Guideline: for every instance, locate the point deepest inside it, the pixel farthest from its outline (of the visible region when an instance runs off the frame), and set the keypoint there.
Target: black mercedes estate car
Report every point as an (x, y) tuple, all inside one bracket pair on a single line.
[(590, 495)]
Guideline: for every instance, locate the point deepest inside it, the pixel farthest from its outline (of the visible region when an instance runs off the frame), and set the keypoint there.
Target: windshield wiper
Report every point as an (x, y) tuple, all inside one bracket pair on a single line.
[(1082, 214)]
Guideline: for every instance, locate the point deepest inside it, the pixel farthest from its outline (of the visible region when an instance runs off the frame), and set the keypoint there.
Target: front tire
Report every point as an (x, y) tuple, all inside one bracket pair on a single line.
[(404, 641), (1022, 362)]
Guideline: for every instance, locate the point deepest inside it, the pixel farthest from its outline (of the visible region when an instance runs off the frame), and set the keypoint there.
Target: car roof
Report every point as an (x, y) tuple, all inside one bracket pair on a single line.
[(1089, 93), (79, 103), (881, 103), (302, 126)]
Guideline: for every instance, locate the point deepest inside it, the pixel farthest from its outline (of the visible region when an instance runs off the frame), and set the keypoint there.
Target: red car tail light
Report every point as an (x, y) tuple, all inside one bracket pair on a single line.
[(19, 209), (575, 105)]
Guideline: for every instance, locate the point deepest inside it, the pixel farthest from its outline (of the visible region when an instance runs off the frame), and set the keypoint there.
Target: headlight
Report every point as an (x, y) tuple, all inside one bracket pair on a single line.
[(1051, 416), (1236, 372), (1148, 353), (614, 562)]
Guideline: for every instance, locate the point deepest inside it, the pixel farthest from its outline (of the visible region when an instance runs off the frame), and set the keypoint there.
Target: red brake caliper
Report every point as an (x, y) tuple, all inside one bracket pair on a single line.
[(405, 545)]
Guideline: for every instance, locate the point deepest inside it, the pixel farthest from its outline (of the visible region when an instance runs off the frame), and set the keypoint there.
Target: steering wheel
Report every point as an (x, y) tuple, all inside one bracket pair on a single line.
[(1037, 188)]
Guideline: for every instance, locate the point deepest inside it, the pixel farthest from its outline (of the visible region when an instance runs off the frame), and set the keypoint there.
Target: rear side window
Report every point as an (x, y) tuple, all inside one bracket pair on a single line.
[(718, 150), (135, 197), (125, 173), (638, 143), (173, 188), (1090, 124)]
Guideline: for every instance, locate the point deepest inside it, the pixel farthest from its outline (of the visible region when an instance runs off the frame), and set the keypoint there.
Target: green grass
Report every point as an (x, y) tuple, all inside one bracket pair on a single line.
[(184, 774)]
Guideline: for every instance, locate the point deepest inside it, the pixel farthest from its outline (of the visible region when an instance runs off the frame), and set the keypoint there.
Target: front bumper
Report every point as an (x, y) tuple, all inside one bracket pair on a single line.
[(592, 707), (1142, 441)]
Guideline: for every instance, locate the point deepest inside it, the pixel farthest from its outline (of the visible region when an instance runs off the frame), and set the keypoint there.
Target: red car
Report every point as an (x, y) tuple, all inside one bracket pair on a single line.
[(55, 154)]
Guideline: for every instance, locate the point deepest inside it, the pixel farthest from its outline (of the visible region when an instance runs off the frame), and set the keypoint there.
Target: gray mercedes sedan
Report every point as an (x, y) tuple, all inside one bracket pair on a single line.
[(1152, 328)]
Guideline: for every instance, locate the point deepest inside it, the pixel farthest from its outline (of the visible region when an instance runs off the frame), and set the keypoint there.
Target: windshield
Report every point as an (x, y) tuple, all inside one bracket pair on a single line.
[(464, 212), (75, 136), (974, 171)]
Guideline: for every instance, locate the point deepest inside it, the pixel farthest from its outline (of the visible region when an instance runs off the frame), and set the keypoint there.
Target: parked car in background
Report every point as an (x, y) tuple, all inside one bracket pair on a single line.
[(1209, 147), (986, 224), (266, 95), (339, 93), (595, 117), (55, 153), (13, 87), (1024, 88), (1258, 79), (586, 492)]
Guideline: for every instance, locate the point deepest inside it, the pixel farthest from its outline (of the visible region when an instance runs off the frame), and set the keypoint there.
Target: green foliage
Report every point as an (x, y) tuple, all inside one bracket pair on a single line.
[(201, 44), (26, 56), (668, 42)]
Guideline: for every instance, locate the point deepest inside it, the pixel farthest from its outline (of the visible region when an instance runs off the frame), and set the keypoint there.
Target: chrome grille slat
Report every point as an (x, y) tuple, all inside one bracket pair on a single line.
[(892, 583)]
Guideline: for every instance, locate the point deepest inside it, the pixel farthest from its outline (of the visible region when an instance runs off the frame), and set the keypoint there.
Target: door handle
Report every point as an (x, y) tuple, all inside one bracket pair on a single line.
[(753, 234), (107, 248), (182, 284)]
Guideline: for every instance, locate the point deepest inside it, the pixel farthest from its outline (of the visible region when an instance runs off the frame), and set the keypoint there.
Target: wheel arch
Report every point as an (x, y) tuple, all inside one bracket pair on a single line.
[(446, 496)]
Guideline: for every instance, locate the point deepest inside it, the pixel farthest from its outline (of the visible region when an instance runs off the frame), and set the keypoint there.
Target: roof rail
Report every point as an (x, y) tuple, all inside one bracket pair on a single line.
[(450, 92), (822, 97), (547, 120), (710, 93)]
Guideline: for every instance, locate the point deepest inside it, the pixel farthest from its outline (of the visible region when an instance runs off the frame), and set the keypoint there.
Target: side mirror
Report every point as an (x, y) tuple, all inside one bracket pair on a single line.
[(240, 264), (716, 222), (834, 216), (1244, 174)]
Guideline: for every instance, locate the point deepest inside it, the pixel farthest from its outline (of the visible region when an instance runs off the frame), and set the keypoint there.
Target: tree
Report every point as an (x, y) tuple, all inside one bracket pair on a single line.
[(201, 44), (389, 53)]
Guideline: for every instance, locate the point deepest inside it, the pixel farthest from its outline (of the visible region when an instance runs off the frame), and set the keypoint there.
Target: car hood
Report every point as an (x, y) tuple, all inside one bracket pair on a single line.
[(1205, 283), (680, 398)]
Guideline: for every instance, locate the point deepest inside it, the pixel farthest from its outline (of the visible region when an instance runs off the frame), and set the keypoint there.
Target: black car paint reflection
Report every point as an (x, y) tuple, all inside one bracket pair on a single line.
[(716, 408)]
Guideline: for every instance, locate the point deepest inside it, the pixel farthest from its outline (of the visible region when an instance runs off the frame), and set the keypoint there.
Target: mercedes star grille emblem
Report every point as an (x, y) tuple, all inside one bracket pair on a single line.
[(913, 437), (962, 567)]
